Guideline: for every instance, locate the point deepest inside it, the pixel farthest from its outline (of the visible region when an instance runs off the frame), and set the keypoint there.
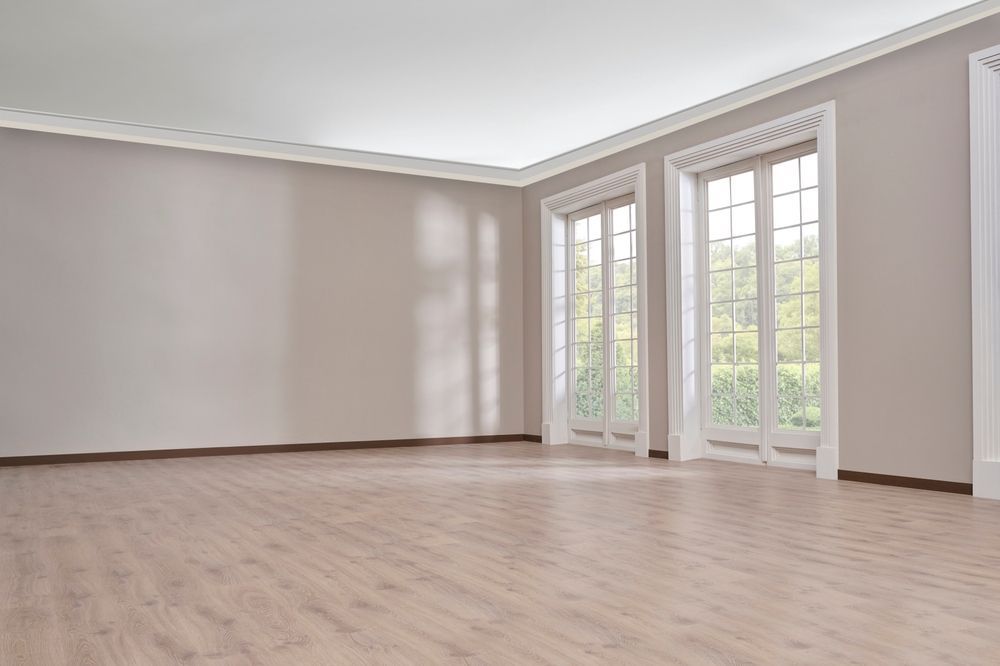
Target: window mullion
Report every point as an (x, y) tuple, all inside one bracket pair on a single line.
[(768, 384), (608, 279)]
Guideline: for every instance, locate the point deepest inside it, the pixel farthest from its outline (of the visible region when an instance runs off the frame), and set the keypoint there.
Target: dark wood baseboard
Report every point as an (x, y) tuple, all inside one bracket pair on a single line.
[(63, 458), (537, 439), (663, 455), (906, 482)]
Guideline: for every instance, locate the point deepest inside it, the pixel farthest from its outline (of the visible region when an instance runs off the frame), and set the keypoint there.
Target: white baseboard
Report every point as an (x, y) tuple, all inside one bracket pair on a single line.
[(642, 444), (986, 479), (681, 448)]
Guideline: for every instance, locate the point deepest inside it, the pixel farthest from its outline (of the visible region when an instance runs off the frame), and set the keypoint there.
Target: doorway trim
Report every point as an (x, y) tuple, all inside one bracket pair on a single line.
[(555, 292), (681, 170), (984, 106)]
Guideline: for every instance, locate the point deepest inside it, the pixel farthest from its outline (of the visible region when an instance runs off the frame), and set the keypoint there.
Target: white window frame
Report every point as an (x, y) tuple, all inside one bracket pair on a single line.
[(767, 442), (555, 212), (684, 297), (984, 105)]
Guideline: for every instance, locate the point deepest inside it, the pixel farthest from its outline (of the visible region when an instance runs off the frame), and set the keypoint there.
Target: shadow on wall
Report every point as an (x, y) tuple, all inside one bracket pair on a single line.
[(395, 321), (162, 298)]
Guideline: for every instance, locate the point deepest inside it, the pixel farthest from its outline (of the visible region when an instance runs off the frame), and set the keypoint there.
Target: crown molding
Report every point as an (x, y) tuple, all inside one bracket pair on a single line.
[(256, 147)]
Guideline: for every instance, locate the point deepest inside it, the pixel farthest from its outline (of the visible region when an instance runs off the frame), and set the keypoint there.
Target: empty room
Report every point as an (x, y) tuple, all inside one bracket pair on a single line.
[(502, 332)]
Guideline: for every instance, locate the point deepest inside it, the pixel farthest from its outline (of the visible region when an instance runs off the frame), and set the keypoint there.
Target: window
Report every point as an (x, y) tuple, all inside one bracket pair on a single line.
[(761, 322), (604, 377)]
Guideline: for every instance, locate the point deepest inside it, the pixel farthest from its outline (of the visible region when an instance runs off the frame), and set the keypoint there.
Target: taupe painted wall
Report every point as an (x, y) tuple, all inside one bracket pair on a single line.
[(903, 244), (161, 298)]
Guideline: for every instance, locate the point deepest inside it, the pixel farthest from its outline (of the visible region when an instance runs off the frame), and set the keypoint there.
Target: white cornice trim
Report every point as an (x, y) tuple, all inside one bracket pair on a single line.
[(221, 143), (984, 105)]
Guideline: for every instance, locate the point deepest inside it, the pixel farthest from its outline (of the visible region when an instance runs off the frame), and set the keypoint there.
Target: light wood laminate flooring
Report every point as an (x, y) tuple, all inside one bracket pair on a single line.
[(487, 554)]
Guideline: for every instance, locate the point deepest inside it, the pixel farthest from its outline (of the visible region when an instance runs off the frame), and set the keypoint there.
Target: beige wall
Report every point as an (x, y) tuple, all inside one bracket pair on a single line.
[(161, 298), (903, 244)]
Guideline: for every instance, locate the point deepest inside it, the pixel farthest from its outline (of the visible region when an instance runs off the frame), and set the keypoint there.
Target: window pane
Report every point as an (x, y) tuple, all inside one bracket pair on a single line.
[(721, 286), (623, 380), (745, 283), (743, 220), (812, 379), (580, 231), (812, 413), (582, 305), (582, 330), (808, 166), (722, 409), (788, 345), (787, 278), (810, 205), (744, 251), (788, 311), (747, 412), (722, 317), (596, 279), (789, 378), (622, 246), (810, 240), (810, 310), (596, 304), (722, 379), (810, 344), (620, 219), (722, 348), (623, 299), (623, 352), (785, 176), (748, 379), (787, 244), (810, 275), (746, 347), (718, 193), (718, 224), (594, 257), (742, 188), (594, 224), (786, 210), (790, 412), (746, 315), (720, 255), (623, 407), (623, 274)]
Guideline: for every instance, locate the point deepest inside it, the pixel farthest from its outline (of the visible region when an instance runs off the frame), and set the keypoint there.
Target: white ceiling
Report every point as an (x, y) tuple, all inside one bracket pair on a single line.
[(507, 83)]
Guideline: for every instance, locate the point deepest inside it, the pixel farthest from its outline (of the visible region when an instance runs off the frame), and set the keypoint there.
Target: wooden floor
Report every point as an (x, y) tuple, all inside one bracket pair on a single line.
[(497, 553)]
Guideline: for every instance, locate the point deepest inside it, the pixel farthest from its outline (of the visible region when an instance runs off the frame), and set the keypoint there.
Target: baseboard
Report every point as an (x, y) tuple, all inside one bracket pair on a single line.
[(663, 455), (63, 458), (906, 482), (537, 439)]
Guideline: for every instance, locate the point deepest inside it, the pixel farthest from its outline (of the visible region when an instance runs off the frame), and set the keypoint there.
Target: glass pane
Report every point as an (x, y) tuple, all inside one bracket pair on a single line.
[(722, 348), (582, 355), (718, 224), (742, 187), (787, 278), (720, 255), (809, 170), (620, 219), (810, 310), (743, 220), (722, 409), (623, 326), (788, 345), (786, 210), (744, 251), (718, 193), (788, 311), (810, 205), (596, 355), (594, 257), (812, 379), (746, 315), (746, 347), (810, 275), (747, 379), (596, 305), (722, 379), (812, 413), (721, 286), (810, 240), (582, 283), (596, 280), (582, 256), (623, 300), (594, 222), (623, 380), (747, 410), (623, 275), (745, 283), (789, 378), (810, 344), (582, 305), (785, 176), (582, 390), (580, 231), (722, 317), (622, 246), (623, 407), (582, 330), (790, 412), (787, 244), (623, 353)]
